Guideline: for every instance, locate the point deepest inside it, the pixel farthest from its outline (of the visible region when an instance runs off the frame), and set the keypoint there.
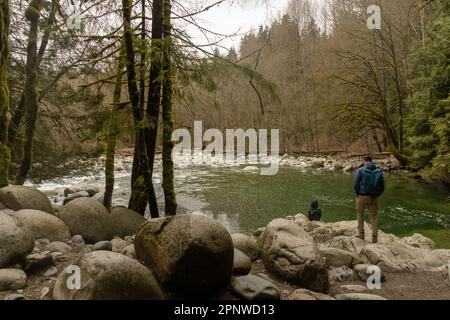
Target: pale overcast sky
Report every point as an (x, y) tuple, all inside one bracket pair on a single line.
[(235, 16)]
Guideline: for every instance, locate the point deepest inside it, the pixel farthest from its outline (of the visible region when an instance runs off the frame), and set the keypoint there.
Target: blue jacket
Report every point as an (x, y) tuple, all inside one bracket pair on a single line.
[(359, 179)]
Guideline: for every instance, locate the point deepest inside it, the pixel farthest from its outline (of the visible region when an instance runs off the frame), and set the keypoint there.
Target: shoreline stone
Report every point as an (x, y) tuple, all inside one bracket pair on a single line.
[(193, 245), (291, 253)]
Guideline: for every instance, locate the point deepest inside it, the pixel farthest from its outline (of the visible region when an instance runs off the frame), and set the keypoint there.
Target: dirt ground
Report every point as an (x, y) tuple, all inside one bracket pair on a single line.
[(410, 286), (36, 281), (398, 286)]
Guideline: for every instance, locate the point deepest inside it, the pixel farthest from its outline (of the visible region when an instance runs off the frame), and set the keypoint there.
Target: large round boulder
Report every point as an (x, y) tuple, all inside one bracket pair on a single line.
[(106, 275), (20, 197), (289, 252), (125, 222), (43, 225), (88, 218), (12, 279), (16, 241), (190, 254)]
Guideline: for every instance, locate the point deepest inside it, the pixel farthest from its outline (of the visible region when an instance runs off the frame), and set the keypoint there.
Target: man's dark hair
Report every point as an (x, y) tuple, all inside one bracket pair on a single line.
[(368, 158)]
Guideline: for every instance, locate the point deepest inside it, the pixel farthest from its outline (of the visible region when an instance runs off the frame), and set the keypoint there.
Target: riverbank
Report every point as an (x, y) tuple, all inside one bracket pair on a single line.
[(290, 258)]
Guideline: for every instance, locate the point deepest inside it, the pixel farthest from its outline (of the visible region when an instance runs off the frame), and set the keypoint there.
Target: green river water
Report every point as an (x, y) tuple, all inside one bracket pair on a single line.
[(246, 201)]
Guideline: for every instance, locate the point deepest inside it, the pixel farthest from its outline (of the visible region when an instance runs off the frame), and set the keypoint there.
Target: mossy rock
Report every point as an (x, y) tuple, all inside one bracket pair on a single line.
[(16, 241), (125, 222), (20, 197), (107, 275), (43, 225), (88, 218), (189, 254)]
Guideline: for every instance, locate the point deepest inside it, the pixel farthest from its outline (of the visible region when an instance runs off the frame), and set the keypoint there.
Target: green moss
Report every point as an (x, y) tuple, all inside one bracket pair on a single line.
[(33, 11), (168, 122), (5, 154)]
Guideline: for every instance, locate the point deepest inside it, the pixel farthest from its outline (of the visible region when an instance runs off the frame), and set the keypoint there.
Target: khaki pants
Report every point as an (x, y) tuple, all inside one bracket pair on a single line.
[(363, 202)]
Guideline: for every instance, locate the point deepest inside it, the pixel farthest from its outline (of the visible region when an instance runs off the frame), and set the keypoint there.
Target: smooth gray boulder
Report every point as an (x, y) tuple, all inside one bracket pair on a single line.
[(290, 252), (88, 218), (106, 275), (43, 225), (242, 263), (12, 279), (103, 245), (78, 240), (189, 254), (20, 197), (16, 241), (251, 287), (246, 244), (125, 222)]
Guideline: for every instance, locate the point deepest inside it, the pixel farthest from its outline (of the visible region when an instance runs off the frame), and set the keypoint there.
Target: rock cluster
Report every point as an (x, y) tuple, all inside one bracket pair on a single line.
[(120, 255)]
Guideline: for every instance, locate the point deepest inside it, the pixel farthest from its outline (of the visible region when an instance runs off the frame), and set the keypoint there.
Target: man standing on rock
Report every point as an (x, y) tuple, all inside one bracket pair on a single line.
[(369, 186)]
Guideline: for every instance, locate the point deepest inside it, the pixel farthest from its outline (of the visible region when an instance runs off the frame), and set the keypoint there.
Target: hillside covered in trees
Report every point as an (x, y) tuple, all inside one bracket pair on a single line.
[(317, 73), (342, 87)]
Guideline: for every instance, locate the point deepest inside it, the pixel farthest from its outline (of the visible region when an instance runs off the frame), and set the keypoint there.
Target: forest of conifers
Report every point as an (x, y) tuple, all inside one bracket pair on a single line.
[(127, 74)]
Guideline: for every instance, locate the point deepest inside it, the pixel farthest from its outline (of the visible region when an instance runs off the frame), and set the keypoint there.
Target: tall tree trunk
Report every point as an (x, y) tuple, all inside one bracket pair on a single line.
[(152, 201), (5, 115), (377, 140), (154, 92), (141, 186), (112, 133), (167, 115), (19, 111), (139, 199), (32, 13)]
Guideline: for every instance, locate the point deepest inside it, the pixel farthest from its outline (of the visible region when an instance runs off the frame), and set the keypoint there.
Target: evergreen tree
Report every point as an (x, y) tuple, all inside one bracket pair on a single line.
[(429, 122)]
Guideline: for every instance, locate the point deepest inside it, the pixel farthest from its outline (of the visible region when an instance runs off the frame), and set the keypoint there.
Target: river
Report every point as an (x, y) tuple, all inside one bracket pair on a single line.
[(245, 201)]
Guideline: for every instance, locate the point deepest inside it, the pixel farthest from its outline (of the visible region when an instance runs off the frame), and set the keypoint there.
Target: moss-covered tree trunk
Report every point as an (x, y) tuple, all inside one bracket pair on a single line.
[(154, 91), (19, 111), (152, 201), (168, 185), (112, 133), (141, 179), (32, 14), (5, 115)]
